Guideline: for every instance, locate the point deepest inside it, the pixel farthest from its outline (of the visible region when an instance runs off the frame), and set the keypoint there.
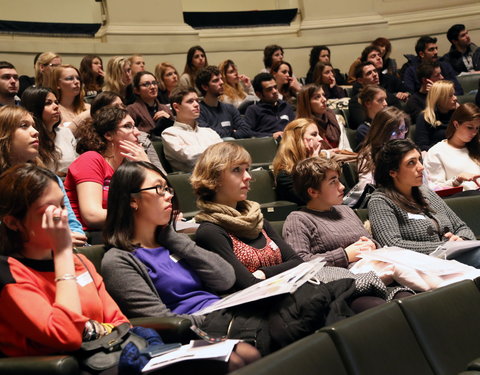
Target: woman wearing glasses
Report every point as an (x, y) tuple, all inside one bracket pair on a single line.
[(147, 112), (67, 86), (104, 145), (43, 67)]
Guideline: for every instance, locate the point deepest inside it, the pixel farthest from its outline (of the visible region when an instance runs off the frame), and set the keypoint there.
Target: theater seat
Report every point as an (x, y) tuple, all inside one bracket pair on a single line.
[(40, 365), (262, 150), (184, 192)]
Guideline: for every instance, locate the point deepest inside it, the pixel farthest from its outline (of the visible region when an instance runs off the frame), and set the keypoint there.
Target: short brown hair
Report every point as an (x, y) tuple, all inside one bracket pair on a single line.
[(210, 165), (310, 173)]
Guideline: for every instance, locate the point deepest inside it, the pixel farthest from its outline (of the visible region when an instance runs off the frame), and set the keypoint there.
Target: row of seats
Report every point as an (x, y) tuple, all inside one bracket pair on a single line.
[(430, 333)]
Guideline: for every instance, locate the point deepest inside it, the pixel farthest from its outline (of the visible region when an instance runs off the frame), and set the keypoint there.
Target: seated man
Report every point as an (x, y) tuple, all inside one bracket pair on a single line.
[(185, 141), (427, 74), (8, 84), (390, 83), (222, 117), (366, 74), (270, 115), (427, 51), (463, 56)]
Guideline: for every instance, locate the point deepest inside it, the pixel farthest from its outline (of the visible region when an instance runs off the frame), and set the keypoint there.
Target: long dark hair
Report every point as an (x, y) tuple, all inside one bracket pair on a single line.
[(33, 100), (119, 225), (388, 159), (20, 186), (90, 81), (189, 68)]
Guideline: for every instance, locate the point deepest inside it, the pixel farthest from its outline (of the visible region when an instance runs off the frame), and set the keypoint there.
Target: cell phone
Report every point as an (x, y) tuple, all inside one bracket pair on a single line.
[(156, 350)]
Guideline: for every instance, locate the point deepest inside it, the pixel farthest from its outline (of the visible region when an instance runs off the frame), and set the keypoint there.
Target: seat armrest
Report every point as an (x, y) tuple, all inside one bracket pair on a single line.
[(172, 328), (40, 365)]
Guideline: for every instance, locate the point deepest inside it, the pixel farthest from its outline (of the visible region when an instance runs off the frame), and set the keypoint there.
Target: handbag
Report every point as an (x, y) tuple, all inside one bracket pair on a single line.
[(104, 352)]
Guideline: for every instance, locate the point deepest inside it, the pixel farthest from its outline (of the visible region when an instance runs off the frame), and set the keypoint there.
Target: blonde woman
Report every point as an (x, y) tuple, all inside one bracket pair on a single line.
[(167, 78), (44, 65), (432, 122), (301, 139), (67, 86), (137, 64), (118, 78), (237, 88)]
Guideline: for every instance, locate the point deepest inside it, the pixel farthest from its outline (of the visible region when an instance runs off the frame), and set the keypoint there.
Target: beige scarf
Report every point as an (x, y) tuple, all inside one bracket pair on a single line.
[(246, 221)]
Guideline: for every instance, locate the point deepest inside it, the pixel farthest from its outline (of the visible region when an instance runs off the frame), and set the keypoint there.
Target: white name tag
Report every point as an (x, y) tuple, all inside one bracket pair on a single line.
[(84, 279), (416, 216), (284, 117), (225, 123), (174, 258), (273, 245)]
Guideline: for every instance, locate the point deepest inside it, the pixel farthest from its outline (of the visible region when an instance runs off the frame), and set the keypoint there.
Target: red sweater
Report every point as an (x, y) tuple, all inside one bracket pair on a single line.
[(32, 323)]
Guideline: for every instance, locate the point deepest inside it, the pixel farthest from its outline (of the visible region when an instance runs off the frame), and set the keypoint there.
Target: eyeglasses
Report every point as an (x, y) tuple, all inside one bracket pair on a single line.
[(128, 127), (159, 189), (71, 78), (148, 84), (51, 65)]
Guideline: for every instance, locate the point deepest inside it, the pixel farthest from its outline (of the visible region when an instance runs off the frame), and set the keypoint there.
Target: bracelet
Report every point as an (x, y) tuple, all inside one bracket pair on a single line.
[(67, 276)]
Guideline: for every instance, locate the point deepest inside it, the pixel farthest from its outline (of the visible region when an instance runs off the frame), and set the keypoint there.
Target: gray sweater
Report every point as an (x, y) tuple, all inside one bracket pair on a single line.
[(323, 233), (393, 226), (128, 282)]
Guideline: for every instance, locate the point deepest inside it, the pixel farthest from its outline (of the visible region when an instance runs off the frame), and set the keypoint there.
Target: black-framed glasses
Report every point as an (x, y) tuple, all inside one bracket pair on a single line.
[(148, 84), (159, 189)]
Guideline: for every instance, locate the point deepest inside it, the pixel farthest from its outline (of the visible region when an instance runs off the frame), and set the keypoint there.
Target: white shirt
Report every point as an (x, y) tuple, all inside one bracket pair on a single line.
[(65, 142), (183, 144), (444, 162)]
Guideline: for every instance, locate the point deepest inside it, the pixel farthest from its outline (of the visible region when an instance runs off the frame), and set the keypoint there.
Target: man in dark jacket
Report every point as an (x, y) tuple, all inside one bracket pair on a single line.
[(463, 55)]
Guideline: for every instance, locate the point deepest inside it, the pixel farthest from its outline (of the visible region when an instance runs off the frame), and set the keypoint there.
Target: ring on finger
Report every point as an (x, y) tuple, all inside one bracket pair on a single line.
[(56, 218)]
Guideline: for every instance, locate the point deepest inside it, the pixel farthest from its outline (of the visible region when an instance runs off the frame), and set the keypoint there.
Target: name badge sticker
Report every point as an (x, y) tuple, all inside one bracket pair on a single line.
[(416, 216), (225, 123), (284, 117), (273, 245), (84, 279)]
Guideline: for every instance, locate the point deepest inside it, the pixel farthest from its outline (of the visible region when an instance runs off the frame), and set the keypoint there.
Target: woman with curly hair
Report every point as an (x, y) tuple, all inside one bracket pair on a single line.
[(118, 78), (237, 88)]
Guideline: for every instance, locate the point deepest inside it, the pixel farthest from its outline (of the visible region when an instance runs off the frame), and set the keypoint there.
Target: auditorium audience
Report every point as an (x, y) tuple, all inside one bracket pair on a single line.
[(324, 75), (196, 60), (58, 143), (118, 78), (404, 213), (300, 140), (237, 88), (324, 227), (185, 140), (20, 143), (148, 114), (103, 146), (373, 99), (9, 84), (432, 122), (67, 86), (221, 117), (44, 66), (389, 123), (427, 73), (167, 78), (270, 115), (44, 311), (92, 75), (455, 161)]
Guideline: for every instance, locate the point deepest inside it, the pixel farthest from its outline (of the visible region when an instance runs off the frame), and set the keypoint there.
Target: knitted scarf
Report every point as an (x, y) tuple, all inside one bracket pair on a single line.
[(246, 221), (329, 128)]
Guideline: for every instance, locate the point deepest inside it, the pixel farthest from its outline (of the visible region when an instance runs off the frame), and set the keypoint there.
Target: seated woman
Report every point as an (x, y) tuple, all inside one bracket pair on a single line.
[(324, 227), (456, 160), (237, 88), (44, 310), (149, 115), (312, 104), (324, 75), (67, 86), (232, 226), (92, 74), (403, 213), (196, 60), (322, 54), (44, 65), (272, 54), (118, 78), (288, 86), (20, 143), (58, 143), (137, 63), (300, 140), (389, 123), (373, 99), (167, 78), (103, 146), (432, 122)]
